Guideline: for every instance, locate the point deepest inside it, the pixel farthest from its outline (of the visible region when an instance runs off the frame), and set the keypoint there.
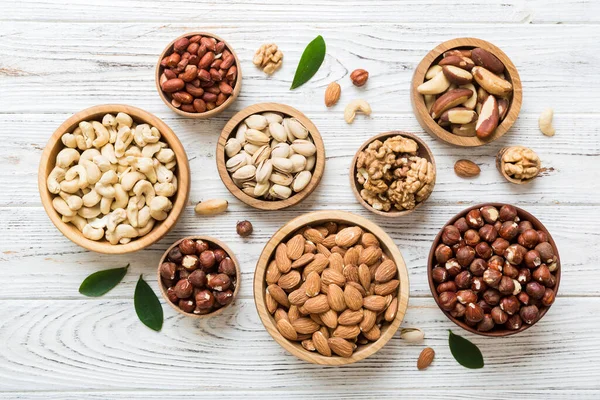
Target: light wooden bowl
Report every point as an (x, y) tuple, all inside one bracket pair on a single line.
[(209, 113), (314, 218), (500, 167), (418, 102), (182, 172), (212, 241), (229, 131), (424, 152), (524, 215)]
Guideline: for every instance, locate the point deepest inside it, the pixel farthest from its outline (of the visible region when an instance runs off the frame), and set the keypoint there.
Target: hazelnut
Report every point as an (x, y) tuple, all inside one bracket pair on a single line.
[(466, 296), (484, 250), (484, 306), (187, 246), (439, 274), (224, 298), (190, 262), (450, 235), (497, 225), (198, 278), (524, 276), (474, 313), (183, 289), (553, 266), (474, 219), (359, 77), (453, 267), (207, 259), (546, 252), (509, 230), (458, 311), (507, 213), (461, 224), (529, 314), (548, 297), (488, 233), (443, 253), (514, 322), (532, 259), (167, 270), (496, 263), (542, 274), (499, 246), (447, 287), (510, 305), (535, 290), (227, 266), (542, 236), (510, 270), (486, 324), (478, 284), (175, 255), (518, 287), (458, 245), (506, 285), (489, 214), (478, 267), (465, 256), (218, 282), (183, 273), (172, 296), (514, 254), (551, 281), (528, 238), (523, 298), (524, 225), (186, 305), (204, 299), (471, 237), (244, 228), (491, 296), (447, 300), (201, 246), (492, 277), (463, 280), (220, 255), (499, 316)]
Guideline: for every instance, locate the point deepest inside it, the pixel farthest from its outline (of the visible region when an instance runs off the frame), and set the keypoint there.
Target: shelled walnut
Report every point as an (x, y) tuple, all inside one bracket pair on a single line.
[(392, 174), (519, 163), (268, 57)]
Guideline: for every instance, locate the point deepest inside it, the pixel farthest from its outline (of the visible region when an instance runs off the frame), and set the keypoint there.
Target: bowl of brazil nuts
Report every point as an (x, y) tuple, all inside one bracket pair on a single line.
[(466, 92), (270, 156), (494, 269), (198, 75), (331, 287), (199, 276), (393, 173), (114, 179)]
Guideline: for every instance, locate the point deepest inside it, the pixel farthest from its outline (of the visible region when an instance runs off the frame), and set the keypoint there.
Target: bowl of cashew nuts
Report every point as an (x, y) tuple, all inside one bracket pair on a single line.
[(114, 179)]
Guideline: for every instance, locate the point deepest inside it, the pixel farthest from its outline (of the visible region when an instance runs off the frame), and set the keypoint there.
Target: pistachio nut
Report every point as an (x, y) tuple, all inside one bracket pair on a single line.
[(236, 162), (293, 126), (301, 181), (261, 188), (310, 163), (256, 121), (248, 188), (240, 133), (245, 173), (277, 131), (257, 137), (273, 117), (261, 155), (251, 148), (304, 147), (281, 178), (264, 171), (298, 163), (281, 150), (282, 164), (232, 147), (280, 191)]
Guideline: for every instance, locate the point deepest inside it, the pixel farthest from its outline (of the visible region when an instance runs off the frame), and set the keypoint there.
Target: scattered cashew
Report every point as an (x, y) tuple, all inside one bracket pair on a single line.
[(57, 175), (355, 106), (545, 122)]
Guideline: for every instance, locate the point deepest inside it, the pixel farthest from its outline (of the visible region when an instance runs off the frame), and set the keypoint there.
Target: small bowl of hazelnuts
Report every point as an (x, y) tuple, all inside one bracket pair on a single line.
[(494, 269), (199, 276)]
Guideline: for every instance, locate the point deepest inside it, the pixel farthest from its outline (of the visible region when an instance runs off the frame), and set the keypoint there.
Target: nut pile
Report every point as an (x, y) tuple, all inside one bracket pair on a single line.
[(494, 270), (199, 74), (270, 156), (268, 57), (331, 288), (392, 175), (519, 162), (113, 179), (200, 277), (467, 93)]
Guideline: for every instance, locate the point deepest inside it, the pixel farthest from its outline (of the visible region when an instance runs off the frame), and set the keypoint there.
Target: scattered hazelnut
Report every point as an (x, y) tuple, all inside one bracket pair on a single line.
[(514, 254), (528, 238), (220, 255), (201, 246), (447, 300), (486, 324), (506, 285), (167, 270), (443, 253), (244, 228), (463, 280), (474, 313), (466, 296), (478, 267), (359, 77), (488, 233), (509, 230), (450, 235), (224, 298), (529, 314), (509, 305), (453, 267), (458, 311), (207, 259), (190, 262), (218, 282), (499, 316), (205, 299), (474, 219), (187, 246), (175, 255), (499, 246), (546, 252), (478, 284), (198, 278), (535, 290), (447, 287), (507, 213), (439, 275), (465, 256), (514, 322), (186, 305), (489, 214), (183, 289), (491, 296), (227, 266), (492, 277), (461, 224), (548, 297)]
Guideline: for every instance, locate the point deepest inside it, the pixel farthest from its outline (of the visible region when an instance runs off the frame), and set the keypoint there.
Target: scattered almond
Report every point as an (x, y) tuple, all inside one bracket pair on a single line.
[(425, 358), (332, 94), (466, 169)]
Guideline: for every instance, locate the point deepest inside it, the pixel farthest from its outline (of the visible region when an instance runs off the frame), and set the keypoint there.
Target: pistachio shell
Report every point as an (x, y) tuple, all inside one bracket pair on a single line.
[(264, 171), (282, 164), (240, 134), (281, 150), (256, 121), (232, 147), (277, 131), (296, 128), (281, 178), (304, 147), (248, 188), (298, 162), (251, 148), (280, 192), (301, 181), (245, 173), (261, 189), (261, 154), (310, 163), (273, 117), (236, 162), (257, 137)]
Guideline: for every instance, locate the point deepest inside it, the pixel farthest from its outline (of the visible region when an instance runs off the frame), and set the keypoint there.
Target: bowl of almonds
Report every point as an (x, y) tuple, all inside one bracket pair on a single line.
[(270, 156), (331, 287)]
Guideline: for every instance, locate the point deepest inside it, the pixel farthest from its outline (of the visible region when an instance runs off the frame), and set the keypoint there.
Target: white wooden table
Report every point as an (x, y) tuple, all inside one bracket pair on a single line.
[(58, 57)]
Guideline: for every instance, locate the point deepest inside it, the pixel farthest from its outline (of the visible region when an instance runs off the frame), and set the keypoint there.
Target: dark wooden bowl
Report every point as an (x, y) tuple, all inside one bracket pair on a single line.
[(524, 215)]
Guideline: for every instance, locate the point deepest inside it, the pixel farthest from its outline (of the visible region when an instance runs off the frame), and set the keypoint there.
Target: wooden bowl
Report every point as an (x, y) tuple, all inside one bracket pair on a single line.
[(418, 102), (161, 228), (209, 113), (314, 218), (500, 167), (524, 215), (424, 152), (212, 241), (229, 131)]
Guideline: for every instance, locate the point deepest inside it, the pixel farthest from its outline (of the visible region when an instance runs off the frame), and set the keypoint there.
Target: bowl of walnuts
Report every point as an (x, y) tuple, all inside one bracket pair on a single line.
[(494, 269)]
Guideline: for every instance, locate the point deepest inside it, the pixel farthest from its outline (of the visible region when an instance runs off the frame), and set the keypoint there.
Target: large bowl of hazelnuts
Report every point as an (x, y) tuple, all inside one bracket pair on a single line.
[(494, 269), (199, 276)]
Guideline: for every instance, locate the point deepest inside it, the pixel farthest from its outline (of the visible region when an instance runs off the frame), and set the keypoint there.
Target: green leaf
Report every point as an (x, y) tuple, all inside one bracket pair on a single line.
[(102, 282), (465, 352), (147, 305), (311, 60)]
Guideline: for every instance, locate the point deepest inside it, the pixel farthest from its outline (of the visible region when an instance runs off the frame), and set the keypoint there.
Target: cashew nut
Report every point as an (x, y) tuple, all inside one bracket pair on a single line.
[(105, 190), (92, 171), (133, 151), (62, 207), (105, 204), (89, 212), (355, 106), (146, 166), (115, 218), (124, 139), (129, 179), (109, 120), (166, 189), (121, 231), (163, 175), (137, 134), (121, 197), (108, 151), (69, 140), (76, 220), (146, 189), (123, 119), (92, 233), (165, 155), (151, 149), (98, 222), (87, 130), (159, 207), (57, 175), (146, 228), (132, 212), (109, 178), (66, 157), (77, 171), (144, 216), (103, 163), (545, 122), (112, 135), (89, 154), (102, 135), (91, 198), (74, 202)]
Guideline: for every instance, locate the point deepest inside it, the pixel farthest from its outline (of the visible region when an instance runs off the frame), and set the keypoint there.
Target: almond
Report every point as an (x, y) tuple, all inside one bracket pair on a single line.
[(341, 347), (339, 250), (373, 334), (289, 280), (280, 313), (346, 331), (329, 241), (336, 298), (317, 319), (386, 271), (295, 247), (305, 325), (350, 317), (323, 230), (321, 249), (370, 255), (374, 303), (320, 343), (298, 297), (309, 247), (313, 235), (348, 236), (391, 311), (273, 273), (351, 257), (364, 276), (308, 345), (353, 298), (317, 305), (283, 262), (368, 321), (425, 358), (318, 264), (332, 94), (304, 260), (383, 289), (330, 276), (271, 303), (286, 329), (293, 313), (336, 262), (351, 273), (358, 287), (278, 295), (368, 239), (329, 318), (466, 169)]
